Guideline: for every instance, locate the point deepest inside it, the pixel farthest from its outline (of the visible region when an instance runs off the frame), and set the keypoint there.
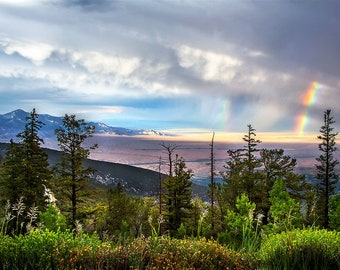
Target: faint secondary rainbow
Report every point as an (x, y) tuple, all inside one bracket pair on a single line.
[(308, 99)]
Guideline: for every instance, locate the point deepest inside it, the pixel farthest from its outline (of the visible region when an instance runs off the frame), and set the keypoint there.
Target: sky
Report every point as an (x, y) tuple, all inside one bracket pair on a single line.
[(185, 66)]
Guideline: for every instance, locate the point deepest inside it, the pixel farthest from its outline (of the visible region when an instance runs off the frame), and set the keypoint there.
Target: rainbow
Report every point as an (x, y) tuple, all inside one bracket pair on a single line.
[(308, 99)]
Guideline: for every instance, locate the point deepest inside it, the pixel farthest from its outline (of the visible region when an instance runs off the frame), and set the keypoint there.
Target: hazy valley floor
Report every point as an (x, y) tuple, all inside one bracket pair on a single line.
[(146, 153)]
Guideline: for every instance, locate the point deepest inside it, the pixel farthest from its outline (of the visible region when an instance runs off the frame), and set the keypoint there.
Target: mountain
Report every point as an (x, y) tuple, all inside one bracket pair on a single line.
[(134, 180), (13, 122)]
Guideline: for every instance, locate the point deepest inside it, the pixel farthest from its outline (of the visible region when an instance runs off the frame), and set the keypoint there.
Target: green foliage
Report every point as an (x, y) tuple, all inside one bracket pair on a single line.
[(167, 253), (241, 176), (181, 231), (284, 211), (52, 250), (251, 161), (25, 170), (255, 174), (63, 250), (177, 197), (11, 173), (301, 249), (127, 217), (71, 173), (52, 220), (35, 164), (197, 214), (241, 233), (278, 166), (334, 212), (254, 183), (326, 173)]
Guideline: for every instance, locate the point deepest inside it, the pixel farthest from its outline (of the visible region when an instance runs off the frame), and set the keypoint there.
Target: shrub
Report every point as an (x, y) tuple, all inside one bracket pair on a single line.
[(240, 233), (52, 220), (63, 250), (301, 249), (166, 253), (53, 250), (8, 249), (33, 251)]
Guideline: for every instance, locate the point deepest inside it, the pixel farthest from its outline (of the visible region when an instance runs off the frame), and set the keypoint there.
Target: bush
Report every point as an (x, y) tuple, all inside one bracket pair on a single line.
[(301, 249), (52, 220), (166, 253), (52, 250), (64, 250)]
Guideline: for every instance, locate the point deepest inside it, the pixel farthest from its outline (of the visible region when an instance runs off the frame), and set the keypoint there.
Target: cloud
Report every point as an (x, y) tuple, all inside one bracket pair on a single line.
[(214, 65), (23, 3), (209, 65), (36, 52), (96, 62)]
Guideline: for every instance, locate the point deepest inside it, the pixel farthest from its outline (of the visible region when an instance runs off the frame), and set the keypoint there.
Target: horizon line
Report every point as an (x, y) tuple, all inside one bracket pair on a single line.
[(225, 137)]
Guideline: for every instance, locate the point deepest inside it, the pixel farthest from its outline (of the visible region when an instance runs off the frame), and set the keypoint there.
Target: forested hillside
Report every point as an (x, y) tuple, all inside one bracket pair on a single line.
[(134, 180)]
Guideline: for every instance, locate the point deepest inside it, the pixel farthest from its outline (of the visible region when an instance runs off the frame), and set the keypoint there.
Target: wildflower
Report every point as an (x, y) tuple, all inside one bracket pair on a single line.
[(78, 227), (259, 218)]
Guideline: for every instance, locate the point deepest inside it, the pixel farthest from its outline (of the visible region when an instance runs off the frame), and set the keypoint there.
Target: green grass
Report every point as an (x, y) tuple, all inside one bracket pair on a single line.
[(62, 250), (43, 249), (301, 249)]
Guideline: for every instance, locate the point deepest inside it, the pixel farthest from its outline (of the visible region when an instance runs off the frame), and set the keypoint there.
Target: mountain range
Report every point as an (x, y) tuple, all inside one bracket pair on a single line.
[(13, 122)]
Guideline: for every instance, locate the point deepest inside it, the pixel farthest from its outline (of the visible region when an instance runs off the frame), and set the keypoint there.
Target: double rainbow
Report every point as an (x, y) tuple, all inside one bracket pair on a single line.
[(308, 99)]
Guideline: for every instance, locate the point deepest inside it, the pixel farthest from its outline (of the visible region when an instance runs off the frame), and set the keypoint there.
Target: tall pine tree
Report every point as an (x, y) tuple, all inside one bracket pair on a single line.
[(326, 173), (25, 170), (254, 175), (35, 163), (241, 175), (277, 166), (72, 174), (177, 196)]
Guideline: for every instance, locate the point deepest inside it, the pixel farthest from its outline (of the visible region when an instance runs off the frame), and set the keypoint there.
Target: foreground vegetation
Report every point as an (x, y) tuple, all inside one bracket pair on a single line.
[(44, 249)]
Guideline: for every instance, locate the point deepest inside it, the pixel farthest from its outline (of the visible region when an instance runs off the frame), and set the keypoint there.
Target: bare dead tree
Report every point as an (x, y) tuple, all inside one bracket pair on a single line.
[(212, 180), (160, 185), (169, 149)]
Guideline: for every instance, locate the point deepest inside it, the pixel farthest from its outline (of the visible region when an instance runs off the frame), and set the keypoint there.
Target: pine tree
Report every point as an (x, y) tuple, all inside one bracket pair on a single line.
[(120, 209), (73, 175), (232, 181), (35, 163), (25, 170), (251, 161), (254, 175), (326, 173), (242, 175), (212, 185), (177, 196), (278, 166), (11, 173)]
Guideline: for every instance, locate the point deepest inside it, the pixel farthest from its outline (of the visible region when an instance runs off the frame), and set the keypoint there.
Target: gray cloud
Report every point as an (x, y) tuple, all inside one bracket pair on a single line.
[(220, 64)]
